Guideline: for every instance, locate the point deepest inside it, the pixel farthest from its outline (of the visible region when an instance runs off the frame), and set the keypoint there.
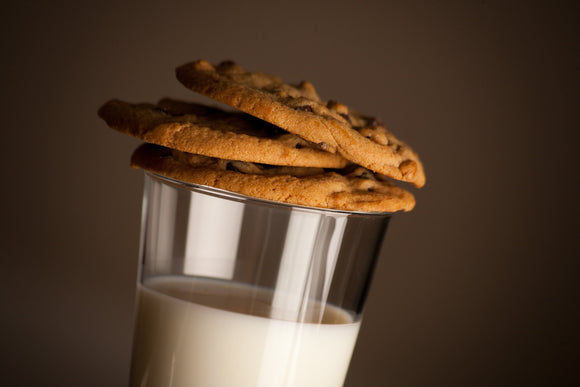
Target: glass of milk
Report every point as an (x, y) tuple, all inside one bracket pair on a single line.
[(235, 291)]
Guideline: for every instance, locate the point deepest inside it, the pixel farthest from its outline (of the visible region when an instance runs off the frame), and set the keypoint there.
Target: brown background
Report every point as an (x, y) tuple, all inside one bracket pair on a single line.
[(477, 286)]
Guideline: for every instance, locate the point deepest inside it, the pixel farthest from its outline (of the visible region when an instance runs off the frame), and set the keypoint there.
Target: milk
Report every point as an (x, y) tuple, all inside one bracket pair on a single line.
[(200, 333)]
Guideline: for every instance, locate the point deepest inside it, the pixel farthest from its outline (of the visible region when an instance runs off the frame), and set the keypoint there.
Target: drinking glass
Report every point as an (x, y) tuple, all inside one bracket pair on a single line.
[(238, 291)]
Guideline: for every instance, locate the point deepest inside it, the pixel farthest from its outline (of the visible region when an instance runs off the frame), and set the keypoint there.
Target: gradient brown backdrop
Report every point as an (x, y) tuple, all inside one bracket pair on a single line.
[(476, 287)]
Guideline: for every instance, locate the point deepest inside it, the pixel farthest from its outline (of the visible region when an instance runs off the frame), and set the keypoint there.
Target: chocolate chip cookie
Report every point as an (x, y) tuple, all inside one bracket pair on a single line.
[(352, 190), (299, 110), (213, 132)]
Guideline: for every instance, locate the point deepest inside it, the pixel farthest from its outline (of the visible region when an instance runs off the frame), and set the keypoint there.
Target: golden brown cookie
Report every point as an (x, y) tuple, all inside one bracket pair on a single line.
[(299, 109), (355, 191), (200, 129)]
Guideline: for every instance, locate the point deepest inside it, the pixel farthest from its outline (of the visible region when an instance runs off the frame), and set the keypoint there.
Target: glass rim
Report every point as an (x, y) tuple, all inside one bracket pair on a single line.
[(241, 198)]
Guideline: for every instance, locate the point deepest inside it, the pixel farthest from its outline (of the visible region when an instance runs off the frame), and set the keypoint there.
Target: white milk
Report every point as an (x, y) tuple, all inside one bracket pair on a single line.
[(180, 341)]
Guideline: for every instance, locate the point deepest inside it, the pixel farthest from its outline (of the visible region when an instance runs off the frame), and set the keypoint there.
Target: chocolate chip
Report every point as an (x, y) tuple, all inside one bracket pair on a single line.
[(167, 112), (231, 167), (368, 175), (160, 109), (305, 108), (375, 122), (346, 117)]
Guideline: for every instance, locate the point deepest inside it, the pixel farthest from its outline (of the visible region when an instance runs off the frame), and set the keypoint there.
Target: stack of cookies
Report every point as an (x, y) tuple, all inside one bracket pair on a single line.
[(284, 143)]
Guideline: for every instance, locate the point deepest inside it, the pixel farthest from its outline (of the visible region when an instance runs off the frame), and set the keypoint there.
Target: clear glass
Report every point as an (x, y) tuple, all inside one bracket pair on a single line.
[(236, 291)]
